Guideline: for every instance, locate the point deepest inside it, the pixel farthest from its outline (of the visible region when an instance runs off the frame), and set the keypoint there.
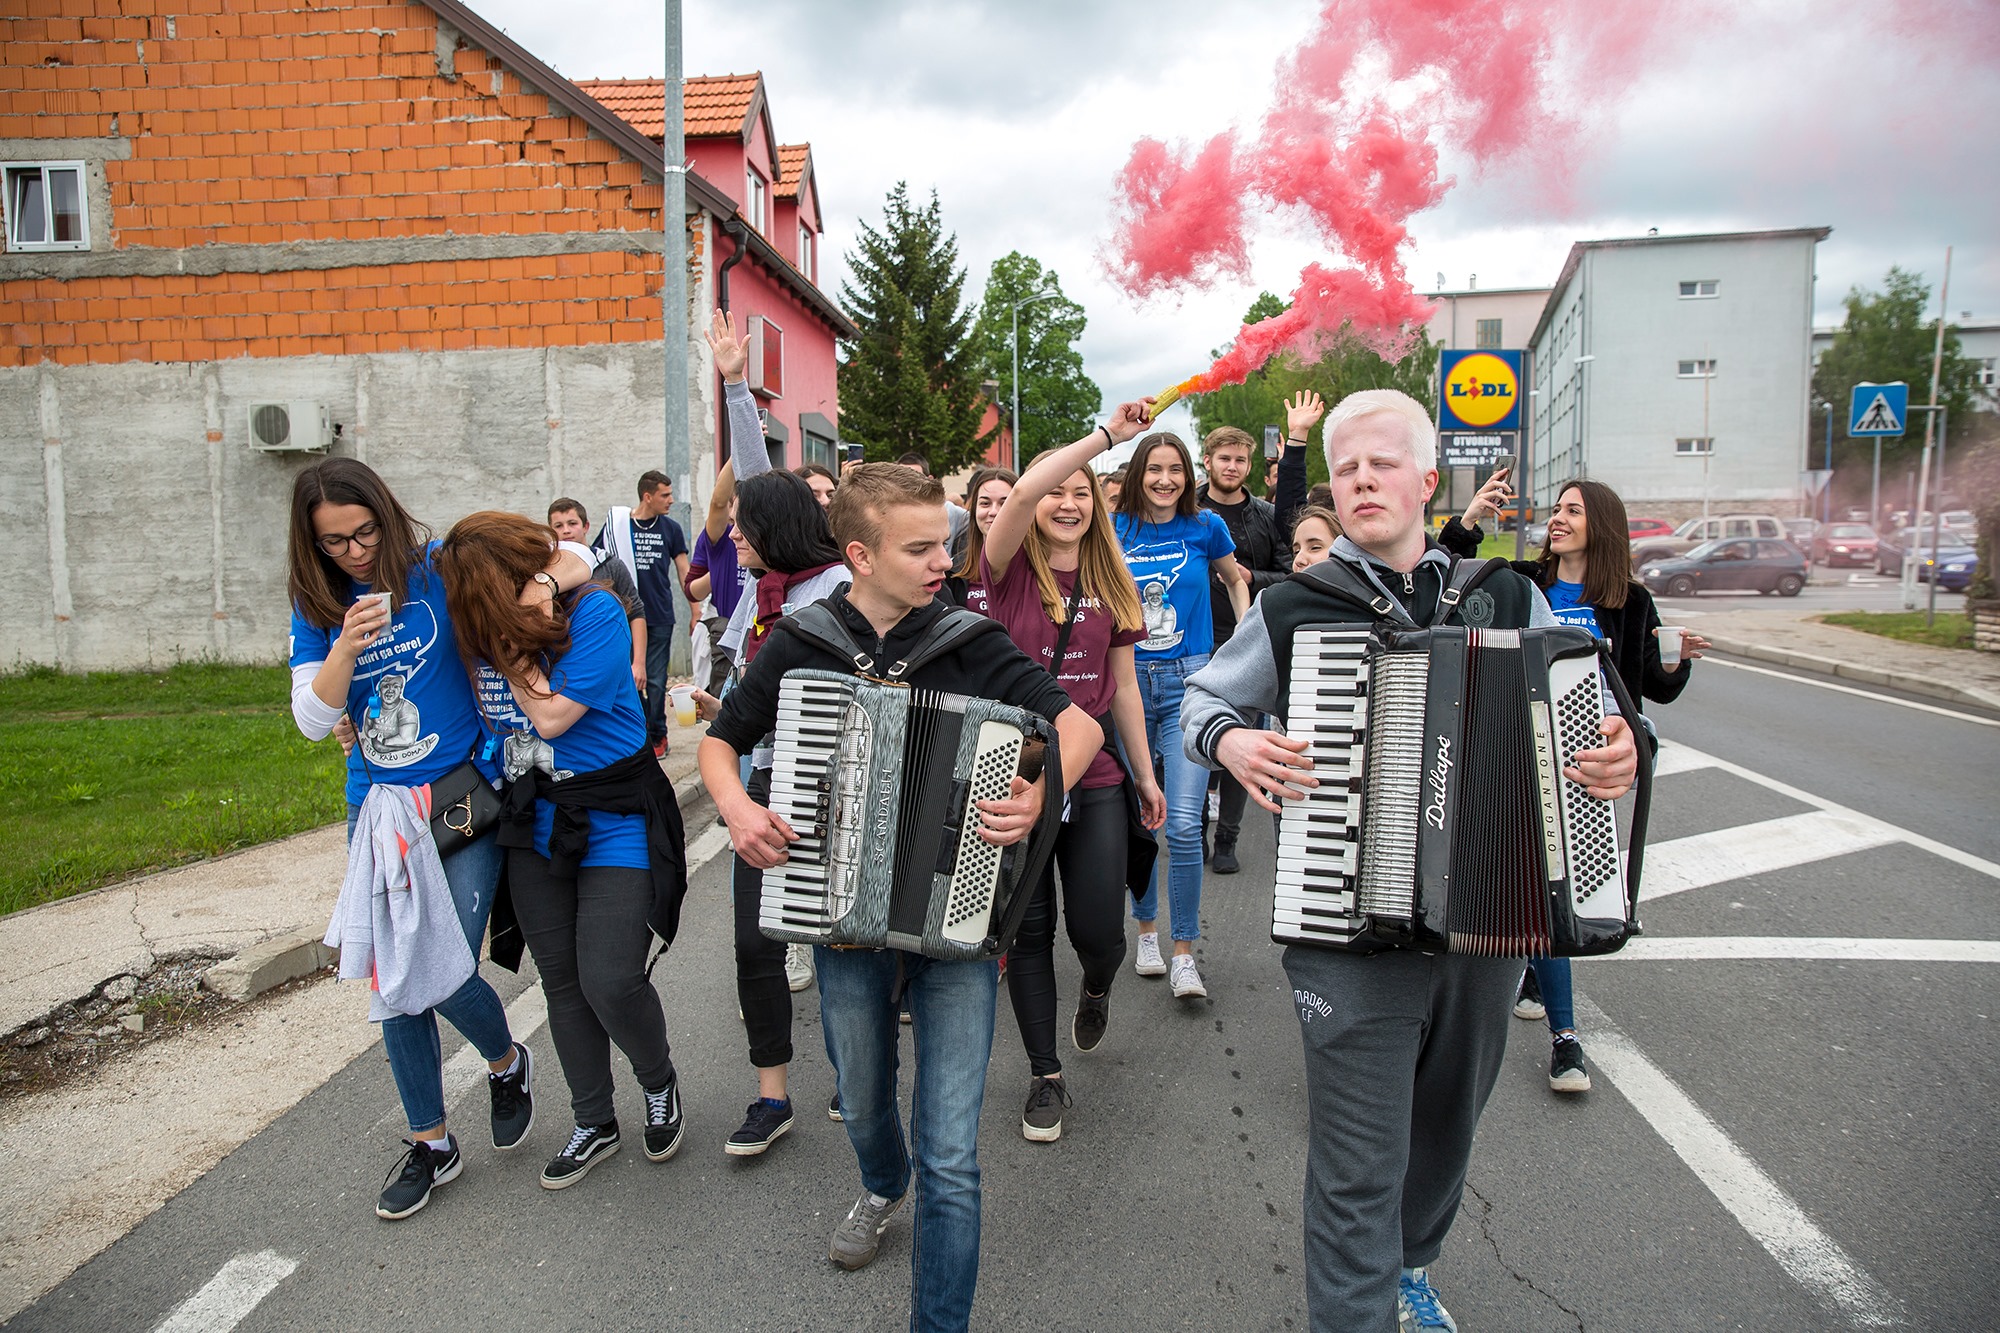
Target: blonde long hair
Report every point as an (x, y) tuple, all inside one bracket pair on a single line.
[(1101, 571)]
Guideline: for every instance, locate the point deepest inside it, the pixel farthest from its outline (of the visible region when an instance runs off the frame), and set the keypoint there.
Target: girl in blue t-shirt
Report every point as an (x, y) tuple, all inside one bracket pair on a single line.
[(556, 690), (1171, 544), (374, 654)]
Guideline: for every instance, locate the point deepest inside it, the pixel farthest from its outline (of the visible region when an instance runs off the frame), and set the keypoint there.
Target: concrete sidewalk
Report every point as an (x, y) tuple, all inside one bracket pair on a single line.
[(260, 912), (1785, 636)]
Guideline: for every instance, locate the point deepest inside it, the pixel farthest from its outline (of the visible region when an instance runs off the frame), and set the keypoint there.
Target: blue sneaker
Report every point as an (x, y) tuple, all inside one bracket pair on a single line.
[(1418, 1306)]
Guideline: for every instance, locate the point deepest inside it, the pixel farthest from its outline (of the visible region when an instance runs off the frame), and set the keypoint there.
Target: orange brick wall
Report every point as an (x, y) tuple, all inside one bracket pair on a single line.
[(265, 121)]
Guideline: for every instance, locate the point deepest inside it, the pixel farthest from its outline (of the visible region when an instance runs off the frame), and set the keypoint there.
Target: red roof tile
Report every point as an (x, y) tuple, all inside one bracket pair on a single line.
[(713, 107), (791, 169)]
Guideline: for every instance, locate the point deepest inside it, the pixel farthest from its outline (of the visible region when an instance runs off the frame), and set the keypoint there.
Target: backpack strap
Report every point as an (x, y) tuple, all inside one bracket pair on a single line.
[(818, 624), (1464, 577), (1336, 578)]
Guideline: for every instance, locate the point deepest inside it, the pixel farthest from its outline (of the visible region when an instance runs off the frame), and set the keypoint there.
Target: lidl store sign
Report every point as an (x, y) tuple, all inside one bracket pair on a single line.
[(1481, 391)]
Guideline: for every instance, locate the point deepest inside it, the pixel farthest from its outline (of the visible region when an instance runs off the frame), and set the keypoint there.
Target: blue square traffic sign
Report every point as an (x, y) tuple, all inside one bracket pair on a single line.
[(1878, 409)]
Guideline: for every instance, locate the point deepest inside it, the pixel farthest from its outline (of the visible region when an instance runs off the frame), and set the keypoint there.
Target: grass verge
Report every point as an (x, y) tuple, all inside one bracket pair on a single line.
[(1952, 630), (108, 775)]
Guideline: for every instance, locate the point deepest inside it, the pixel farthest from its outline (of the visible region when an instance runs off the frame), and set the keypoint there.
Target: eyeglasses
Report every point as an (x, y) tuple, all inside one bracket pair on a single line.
[(365, 536)]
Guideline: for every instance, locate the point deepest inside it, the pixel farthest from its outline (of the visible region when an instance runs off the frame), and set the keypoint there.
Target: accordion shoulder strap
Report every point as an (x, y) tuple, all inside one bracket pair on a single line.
[(1336, 578), (819, 624), (1465, 576)]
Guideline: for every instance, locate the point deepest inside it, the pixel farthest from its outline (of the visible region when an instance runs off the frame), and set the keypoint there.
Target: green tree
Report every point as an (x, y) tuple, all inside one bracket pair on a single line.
[(1058, 401), (1886, 337), (910, 382), (1345, 366)]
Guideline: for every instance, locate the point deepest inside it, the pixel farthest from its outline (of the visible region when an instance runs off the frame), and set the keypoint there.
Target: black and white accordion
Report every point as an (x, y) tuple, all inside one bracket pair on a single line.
[(880, 781), (1442, 820)]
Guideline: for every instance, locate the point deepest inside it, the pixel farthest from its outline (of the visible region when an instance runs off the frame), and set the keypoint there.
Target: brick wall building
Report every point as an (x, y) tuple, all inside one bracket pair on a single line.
[(389, 211)]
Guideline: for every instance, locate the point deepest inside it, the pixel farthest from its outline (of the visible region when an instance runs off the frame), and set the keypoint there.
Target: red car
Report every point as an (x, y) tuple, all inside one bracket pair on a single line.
[(1636, 528), (1844, 544)]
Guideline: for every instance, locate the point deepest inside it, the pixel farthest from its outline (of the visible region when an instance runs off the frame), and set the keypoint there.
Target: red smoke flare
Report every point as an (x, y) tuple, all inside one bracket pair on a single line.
[(1476, 73)]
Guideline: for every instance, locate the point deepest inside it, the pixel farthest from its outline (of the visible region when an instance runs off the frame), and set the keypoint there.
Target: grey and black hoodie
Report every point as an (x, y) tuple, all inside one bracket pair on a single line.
[(1246, 676)]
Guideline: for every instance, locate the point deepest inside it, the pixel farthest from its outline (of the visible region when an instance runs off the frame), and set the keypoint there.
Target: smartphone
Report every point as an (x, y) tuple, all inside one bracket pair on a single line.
[(853, 453), (1274, 443)]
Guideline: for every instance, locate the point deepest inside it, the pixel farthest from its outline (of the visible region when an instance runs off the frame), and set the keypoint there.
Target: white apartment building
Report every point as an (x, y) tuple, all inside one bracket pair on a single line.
[(1677, 369)]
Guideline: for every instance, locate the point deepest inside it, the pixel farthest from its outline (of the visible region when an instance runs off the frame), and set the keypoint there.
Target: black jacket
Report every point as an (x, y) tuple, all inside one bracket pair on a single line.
[(1262, 551), (1634, 647)]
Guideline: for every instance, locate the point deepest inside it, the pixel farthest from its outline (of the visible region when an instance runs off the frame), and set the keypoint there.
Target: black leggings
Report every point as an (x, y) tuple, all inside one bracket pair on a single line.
[(589, 939), (1090, 852), (761, 988)]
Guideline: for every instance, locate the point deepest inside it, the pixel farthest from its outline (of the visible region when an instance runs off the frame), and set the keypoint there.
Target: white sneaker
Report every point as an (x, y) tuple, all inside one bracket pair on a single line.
[(1149, 963), (1186, 981), (798, 966)]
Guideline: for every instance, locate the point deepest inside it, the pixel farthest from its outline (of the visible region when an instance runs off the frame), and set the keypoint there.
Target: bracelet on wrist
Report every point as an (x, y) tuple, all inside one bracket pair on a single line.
[(1109, 443)]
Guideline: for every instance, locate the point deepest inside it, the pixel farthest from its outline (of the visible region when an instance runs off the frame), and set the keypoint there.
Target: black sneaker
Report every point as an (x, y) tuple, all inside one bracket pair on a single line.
[(421, 1170), (833, 1107), (763, 1125), (1041, 1120), (1224, 861), (1092, 1013), (1566, 1071), (663, 1122), (1528, 1000), (588, 1145), (513, 1101)]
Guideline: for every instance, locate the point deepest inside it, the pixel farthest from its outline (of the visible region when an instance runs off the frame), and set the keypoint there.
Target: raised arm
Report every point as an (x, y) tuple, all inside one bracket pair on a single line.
[(1050, 470), (746, 434), (1302, 411)]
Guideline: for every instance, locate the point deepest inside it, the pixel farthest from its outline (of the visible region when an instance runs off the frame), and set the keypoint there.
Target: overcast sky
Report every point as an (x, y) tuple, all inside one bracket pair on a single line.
[(1020, 112)]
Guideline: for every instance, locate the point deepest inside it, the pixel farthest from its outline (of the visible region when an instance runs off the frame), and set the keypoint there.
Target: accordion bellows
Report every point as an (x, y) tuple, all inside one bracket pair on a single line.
[(1442, 821), (880, 781)]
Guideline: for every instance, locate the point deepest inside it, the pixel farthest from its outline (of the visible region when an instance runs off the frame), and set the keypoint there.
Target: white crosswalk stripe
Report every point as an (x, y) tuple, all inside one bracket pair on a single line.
[(231, 1294), (1755, 849)]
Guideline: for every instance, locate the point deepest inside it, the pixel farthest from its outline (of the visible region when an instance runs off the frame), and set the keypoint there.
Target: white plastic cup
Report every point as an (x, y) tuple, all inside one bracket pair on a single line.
[(687, 714), (1670, 645)]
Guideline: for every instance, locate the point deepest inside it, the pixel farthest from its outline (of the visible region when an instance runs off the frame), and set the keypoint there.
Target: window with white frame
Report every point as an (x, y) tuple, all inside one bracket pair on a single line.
[(1983, 371), (1695, 446), (806, 256), (1697, 289), (1697, 370), (45, 206), (753, 197)]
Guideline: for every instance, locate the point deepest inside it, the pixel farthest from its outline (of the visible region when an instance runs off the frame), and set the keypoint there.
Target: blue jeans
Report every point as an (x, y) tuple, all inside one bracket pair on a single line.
[(659, 656), (1552, 975), (951, 1011), (411, 1040), (1161, 684)]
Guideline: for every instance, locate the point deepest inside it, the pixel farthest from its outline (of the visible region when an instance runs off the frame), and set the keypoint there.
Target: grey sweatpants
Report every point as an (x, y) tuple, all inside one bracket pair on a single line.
[(589, 939), (1401, 1051)]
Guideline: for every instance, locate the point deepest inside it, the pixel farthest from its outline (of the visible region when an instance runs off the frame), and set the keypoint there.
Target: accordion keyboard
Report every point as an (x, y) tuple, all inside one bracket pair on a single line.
[(818, 768), (1318, 835)]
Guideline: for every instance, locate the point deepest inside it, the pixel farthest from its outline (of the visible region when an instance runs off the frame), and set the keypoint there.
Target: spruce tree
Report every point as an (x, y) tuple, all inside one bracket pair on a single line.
[(910, 382)]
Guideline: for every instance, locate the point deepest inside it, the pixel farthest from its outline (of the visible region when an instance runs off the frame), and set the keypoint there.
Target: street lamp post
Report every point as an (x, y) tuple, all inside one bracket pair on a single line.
[(1016, 340)]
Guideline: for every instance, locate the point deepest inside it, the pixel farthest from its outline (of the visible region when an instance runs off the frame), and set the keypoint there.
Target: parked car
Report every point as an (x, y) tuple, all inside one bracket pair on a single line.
[(1954, 564), (1767, 565), (1844, 544), (1638, 529), (1799, 532), (1697, 531)]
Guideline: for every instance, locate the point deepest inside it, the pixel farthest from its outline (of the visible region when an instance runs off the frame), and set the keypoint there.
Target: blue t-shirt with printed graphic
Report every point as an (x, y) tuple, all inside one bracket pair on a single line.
[(1169, 561), (597, 673), (1566, 600), (410, 702)]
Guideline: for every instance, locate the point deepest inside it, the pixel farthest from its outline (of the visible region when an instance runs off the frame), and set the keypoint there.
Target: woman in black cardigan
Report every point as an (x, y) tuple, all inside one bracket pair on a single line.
[(1585, 570)]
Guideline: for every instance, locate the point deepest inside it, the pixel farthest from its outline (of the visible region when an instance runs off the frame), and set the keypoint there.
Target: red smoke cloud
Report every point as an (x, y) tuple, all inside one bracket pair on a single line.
[(1351, 144)]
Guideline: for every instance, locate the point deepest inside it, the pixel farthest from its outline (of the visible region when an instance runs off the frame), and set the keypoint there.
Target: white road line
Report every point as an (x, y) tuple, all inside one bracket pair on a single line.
[(1677, 758), (1836, 948), (466, 1068), (1754, 849), (1931, 845), (1849, 689), (1812, 1258), (232, 1293)]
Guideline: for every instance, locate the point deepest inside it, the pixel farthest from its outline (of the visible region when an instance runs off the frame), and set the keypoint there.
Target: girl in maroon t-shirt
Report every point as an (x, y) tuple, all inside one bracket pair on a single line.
[(1051, 559)]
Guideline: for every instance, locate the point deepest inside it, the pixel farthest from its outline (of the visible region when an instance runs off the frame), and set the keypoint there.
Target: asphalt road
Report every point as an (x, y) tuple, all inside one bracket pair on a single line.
[(1776, 1141)]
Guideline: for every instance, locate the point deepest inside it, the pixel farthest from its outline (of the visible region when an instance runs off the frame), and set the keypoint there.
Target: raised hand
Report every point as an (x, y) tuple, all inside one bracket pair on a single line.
[(1302, 412), (732, 354)]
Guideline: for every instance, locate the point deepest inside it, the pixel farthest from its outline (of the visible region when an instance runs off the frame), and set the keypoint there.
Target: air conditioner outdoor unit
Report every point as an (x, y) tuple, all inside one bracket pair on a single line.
[(289, 427)]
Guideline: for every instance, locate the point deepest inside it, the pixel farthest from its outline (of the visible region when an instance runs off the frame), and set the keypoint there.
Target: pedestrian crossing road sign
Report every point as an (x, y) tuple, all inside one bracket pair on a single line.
[(1878, 409)]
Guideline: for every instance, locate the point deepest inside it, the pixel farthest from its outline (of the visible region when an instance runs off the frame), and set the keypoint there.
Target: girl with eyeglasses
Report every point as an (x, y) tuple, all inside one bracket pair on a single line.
[(372, 645)]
